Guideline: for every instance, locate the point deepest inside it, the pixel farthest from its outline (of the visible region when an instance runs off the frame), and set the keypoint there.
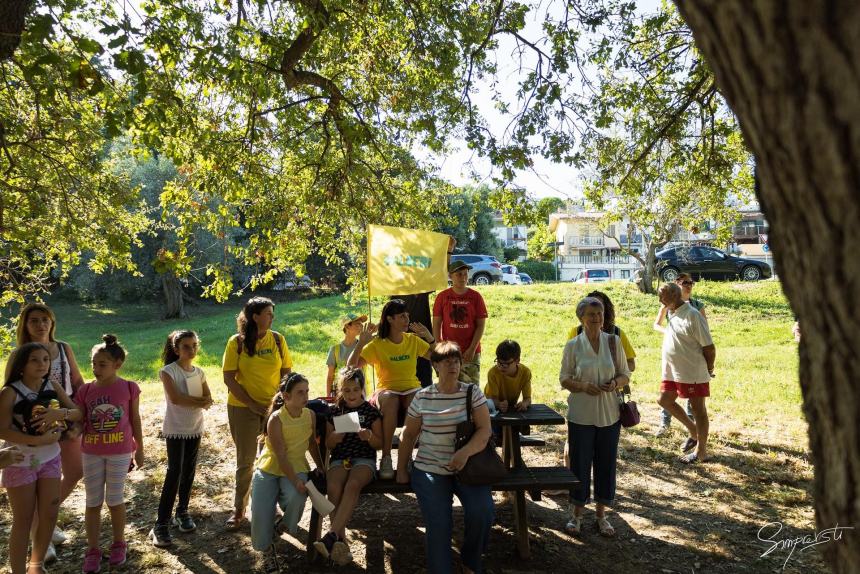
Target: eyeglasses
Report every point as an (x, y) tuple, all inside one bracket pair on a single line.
[(505, 363), (687, 283)]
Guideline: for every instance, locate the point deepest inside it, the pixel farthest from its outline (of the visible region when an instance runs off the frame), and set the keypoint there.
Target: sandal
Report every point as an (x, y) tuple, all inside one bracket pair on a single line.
[(689, 444), (235, 522), (692, 457), (574, 526), (604, 527)]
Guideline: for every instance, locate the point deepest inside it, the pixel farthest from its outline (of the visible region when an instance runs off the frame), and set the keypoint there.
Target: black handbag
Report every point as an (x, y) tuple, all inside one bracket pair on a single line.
[(627, 410), (484, 467)]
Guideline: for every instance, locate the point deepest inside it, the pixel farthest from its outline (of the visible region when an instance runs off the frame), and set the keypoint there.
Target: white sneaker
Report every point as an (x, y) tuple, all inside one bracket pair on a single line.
[(58, 537), (386, 469), (50, 554), (662, 431)]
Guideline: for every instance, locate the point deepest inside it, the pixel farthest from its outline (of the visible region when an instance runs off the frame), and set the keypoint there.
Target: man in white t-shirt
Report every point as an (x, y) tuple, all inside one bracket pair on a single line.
[(688, 367)]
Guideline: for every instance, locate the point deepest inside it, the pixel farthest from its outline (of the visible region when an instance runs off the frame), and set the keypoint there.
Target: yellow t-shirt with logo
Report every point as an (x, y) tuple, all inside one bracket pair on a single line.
[(625, 342), (296, 432), (259, 375), (395, 363), (505, 388)]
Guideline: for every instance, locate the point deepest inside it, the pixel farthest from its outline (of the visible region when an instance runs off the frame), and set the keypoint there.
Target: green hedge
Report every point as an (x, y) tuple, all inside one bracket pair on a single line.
[(537, 270)]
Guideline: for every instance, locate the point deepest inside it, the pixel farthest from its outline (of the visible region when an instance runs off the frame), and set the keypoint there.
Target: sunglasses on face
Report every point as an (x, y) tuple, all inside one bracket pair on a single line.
[(505, 363), (687, 283)]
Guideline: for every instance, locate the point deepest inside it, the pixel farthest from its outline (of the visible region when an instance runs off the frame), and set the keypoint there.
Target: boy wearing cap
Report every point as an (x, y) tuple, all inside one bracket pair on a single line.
[(338, 354), (459, 315)]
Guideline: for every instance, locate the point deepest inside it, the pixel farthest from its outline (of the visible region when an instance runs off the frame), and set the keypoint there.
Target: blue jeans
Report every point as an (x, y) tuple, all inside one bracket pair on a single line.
[(667, 416), (597, 447), (266, 491), (435, 497)]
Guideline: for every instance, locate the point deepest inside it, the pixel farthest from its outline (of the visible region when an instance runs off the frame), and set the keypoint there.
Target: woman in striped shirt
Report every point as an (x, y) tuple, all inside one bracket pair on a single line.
[(432, 417)]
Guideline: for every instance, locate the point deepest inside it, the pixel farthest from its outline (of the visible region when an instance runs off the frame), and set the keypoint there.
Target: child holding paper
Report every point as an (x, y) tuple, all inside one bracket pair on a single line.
[(187, 396), (353, 460)]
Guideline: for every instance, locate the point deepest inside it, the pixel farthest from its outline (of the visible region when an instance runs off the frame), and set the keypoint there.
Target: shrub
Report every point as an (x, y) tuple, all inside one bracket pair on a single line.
[(537, 270)]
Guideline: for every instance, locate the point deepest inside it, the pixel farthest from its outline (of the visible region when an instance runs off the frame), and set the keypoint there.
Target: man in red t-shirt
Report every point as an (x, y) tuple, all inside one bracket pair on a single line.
[(459, 315)]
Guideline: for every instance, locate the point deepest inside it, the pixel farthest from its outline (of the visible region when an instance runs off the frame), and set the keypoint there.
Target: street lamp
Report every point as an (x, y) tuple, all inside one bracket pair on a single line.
[(555, 245)]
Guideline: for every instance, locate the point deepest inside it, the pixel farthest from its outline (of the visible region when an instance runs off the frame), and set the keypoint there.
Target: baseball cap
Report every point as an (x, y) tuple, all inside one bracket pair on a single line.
[(352, 317), (456, 265)]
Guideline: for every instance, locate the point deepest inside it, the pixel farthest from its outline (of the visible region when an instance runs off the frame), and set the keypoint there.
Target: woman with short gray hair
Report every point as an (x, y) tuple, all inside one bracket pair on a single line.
[(593, 368)]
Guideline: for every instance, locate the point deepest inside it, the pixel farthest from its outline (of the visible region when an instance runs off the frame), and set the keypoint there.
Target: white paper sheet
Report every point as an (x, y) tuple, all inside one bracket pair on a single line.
[(321, 504), (347, 423), (194, 384)]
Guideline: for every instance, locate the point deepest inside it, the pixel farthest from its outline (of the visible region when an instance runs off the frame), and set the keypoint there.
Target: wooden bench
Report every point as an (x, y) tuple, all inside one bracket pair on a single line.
[(532, 440), (519, 480)]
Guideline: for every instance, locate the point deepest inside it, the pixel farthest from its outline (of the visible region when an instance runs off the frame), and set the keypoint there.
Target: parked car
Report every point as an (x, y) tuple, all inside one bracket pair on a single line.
[(593, 276), (702, 261), (486, 269), (525, 279), (510, 276)]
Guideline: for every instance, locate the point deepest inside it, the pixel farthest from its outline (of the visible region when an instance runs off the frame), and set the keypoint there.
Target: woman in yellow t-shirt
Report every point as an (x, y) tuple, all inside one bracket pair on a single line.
[(394, 354), (282, 468), (254, 362)]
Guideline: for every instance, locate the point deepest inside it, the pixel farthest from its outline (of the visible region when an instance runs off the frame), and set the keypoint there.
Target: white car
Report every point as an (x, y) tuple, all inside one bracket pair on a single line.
[(593, 276), (510, 276)]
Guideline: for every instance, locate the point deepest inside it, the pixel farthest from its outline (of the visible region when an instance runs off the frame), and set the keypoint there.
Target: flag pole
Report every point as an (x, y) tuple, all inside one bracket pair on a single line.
[(369, 309)]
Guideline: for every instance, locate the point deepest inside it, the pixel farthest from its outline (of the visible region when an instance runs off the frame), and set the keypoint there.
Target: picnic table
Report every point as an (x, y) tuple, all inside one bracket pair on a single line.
[(512, 422), (520, 478)]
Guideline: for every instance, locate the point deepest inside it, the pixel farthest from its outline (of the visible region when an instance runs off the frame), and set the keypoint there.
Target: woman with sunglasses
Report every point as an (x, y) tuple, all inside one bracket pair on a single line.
[(685, 282), (394, 353)]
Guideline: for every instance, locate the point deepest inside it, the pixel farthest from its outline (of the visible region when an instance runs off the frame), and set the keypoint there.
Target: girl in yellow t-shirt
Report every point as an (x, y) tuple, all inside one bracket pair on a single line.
[(394, 355), (282, 468)]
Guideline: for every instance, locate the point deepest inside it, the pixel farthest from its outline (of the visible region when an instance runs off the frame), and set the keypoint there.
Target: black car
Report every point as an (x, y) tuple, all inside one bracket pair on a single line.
[(705, 262)]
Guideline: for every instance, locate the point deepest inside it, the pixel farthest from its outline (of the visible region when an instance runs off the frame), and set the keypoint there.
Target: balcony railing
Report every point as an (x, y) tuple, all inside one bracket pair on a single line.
[(601, 260), (586, 240), (749, 230)]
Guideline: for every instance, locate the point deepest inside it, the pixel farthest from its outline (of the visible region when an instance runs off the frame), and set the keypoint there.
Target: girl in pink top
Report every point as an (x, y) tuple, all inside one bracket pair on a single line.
[(112, 432)]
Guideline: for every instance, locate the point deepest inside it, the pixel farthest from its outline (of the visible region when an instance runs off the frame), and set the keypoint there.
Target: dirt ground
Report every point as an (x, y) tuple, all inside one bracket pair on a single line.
[(669, 517)]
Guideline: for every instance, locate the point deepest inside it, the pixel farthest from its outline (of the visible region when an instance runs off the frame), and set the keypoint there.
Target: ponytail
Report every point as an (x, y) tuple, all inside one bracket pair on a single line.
[(288, 382), (170, 352)]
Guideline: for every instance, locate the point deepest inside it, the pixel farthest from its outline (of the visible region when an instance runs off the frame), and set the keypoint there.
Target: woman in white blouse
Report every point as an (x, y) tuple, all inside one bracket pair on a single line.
[(592, 375)]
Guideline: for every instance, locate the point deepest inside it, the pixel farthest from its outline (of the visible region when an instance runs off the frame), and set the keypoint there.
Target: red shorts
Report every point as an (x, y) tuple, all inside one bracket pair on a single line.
[(686, 390)]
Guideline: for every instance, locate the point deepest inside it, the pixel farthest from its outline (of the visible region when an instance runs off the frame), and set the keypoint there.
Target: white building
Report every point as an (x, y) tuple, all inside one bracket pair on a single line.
[(583, 245), (509, 236)]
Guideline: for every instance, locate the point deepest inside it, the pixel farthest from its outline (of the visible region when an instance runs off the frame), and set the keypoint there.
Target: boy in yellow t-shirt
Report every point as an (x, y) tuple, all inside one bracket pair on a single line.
[(508, 379)]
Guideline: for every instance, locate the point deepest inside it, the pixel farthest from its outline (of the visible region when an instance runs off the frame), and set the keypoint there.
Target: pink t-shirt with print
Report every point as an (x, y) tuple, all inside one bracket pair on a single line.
[(107, 417)]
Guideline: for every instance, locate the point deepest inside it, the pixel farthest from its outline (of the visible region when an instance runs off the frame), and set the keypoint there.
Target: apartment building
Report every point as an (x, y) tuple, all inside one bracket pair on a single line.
[(583, 245), (509, 235)]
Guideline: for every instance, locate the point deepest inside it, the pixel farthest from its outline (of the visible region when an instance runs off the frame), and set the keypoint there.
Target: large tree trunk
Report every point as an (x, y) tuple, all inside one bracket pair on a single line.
[(12, 16), (790, 69), (174, 301)]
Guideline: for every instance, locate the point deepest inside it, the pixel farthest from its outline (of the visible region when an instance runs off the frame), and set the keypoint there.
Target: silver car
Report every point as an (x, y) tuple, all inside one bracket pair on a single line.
[(485, 269)]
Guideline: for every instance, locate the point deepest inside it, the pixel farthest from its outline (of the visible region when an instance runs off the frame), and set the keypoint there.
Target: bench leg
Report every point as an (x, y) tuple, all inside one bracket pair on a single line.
[(507, 447), (522, 521), (314, 533)]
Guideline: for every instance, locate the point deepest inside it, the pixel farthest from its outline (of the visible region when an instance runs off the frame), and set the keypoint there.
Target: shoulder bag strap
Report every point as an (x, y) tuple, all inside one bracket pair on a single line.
[(62, 352), (614, 350), (277, 337), (469, 402)]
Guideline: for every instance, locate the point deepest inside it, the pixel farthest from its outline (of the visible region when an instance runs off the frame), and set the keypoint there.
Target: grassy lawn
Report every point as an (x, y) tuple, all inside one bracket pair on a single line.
[(670, 517), (750, 323)]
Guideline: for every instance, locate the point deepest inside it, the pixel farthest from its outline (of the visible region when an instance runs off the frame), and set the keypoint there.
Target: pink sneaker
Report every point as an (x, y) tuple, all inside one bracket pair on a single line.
[(117, 553), (92, 561)]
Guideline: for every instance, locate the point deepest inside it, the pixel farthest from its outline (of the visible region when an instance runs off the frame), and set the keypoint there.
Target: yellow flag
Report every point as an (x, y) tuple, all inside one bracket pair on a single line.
[(405, 261)]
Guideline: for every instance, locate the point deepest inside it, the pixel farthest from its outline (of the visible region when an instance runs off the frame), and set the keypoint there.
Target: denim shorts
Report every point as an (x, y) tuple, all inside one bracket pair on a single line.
[(369, 462)]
